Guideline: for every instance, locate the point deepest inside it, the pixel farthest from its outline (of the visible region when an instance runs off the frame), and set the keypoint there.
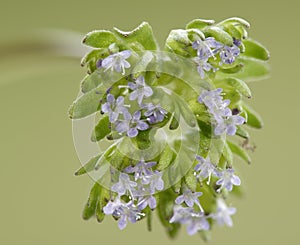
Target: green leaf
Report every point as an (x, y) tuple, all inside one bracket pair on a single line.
[(219, 34), (235, 21), (233, 95), (236, 83), (186, 112), (117, 159), (195, 34), (253, 70), (253, 118), (256, 50), (208, 199), (174, 124), (90, 207), (143, 139), (142, 64), (101, 130), (177, 186), (232, 69), (99, 39), (243, 31), (196, 107), (199, 23), (227, 154), (92, 57), (191, 180), (239, 151), (165, 159), (165, 212), (143, 35), (234, 31), (178, 41), (205, 235), (90, 82), (103, 200), (242, 132), (86, 104), (89, 166)]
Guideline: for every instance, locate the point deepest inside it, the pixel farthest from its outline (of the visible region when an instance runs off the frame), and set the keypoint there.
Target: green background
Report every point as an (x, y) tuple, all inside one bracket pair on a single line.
[(41, 200)]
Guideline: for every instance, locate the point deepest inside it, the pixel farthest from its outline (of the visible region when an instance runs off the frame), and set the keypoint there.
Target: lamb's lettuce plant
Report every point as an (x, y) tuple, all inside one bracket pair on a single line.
[(168, 122)]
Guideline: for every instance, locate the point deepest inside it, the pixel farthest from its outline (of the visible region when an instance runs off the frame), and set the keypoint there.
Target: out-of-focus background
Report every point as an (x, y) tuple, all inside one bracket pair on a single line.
[(41, 200)]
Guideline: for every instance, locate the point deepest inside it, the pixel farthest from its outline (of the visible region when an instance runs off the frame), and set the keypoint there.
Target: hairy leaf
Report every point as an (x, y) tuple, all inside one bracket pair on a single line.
[(239, 151)]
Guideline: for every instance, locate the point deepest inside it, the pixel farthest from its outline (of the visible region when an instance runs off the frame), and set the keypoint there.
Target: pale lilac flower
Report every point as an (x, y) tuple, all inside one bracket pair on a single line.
[(181, 214), (117, 61), (229, 54), (139, 90), (190, 198), (227, 179), (155, 113), (123, 212), (228, 124), (131, 125), (155, 182), (206, 48), (223, 213), (205, 169), (203, 65), (225, 121), (115, 107), (123, 126), (194, 221), (124, 185), (145, 201), (141, 170), (221, 110), (112, 206), (136, 124), (129, 212), (211, 98), (197, 223)]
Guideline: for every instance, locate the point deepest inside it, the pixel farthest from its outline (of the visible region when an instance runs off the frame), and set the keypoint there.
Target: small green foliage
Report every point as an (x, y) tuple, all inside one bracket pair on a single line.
[(239, 151), (199, 24), (89, 166), (165, 159), (256, 50), (165, 212), (101, 130), (219, 34), (142, 36), (99, 39), (253, 118), (86, 104), (237, 84)]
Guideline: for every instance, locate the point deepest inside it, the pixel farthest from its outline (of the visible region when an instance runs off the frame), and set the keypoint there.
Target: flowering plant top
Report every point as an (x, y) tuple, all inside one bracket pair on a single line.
[(167, 123)]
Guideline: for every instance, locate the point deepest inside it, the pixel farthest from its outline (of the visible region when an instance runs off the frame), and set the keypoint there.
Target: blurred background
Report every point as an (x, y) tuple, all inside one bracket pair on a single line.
[(42, 201)]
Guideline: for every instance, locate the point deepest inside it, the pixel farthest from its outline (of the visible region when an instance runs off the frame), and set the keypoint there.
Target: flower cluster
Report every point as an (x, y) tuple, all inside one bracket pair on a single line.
[(205, 170), (224, 119), (188, 210), (210, 48), (146, 182), (184, 175), (123, 120)]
